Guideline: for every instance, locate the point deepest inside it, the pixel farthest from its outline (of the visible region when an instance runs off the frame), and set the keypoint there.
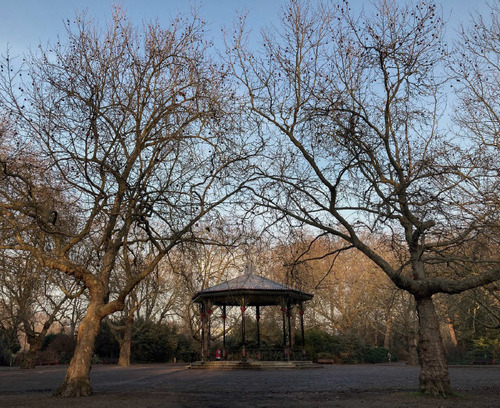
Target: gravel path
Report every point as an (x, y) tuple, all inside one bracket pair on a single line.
[(174, 385)]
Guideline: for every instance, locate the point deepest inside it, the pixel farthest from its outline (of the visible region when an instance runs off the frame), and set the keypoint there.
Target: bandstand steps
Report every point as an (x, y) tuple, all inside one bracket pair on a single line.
[(252, 365)]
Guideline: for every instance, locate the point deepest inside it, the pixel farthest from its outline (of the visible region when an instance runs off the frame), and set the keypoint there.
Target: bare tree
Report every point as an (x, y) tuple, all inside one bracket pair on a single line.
[(196, 267), (152, 300), (35, 298), (352, 108), (135, 128)]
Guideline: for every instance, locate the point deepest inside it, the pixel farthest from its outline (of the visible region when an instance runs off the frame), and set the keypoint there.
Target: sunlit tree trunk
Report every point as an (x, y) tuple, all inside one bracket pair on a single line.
[(434, 377), (77, 380), (451, 330)]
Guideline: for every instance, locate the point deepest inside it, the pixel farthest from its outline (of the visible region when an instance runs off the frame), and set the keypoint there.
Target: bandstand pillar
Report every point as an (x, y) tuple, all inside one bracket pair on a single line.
[(257, 318), (203, 343), (208, 314), (243, 340), (224, 316), (301, 313), (283, 318), (289, 318)]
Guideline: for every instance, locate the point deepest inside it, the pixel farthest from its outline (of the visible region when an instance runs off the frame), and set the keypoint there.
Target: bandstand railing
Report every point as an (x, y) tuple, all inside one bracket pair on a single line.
[(254, 354)]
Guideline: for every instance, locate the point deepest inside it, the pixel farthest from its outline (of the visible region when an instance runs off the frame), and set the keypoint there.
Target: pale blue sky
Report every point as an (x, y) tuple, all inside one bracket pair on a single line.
[(28, 22), (25, 23)]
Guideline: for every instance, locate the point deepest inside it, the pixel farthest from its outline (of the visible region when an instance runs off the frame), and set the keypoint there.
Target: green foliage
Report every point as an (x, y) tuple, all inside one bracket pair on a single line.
[(346, 349), (106, 345), (153, 342), (487, 347), (60, 346), (320, 344), (9, 345), (187, 350), (377, 355), (63, 346), (47, 340)]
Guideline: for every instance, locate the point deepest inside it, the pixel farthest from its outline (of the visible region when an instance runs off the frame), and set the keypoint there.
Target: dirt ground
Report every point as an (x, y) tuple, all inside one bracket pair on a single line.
[(169, 385)]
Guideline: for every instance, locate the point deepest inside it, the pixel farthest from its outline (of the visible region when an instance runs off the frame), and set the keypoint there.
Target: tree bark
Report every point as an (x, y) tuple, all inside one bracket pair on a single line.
[(434, 377), (451, 329), (412, 349), (35, 342), (388, 333), (77, 380), (29, 359), (125, 344)]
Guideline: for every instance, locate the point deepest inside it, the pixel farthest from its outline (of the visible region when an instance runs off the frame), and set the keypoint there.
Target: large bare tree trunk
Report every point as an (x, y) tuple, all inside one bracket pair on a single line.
[(434, 377), (77, 380)]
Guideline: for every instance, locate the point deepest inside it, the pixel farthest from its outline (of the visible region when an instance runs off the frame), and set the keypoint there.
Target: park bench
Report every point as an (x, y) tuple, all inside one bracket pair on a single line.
[(326, 361)]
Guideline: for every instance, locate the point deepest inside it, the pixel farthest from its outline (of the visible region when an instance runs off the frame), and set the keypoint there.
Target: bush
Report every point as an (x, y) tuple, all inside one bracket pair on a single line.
[(346, 349), (153, 342), (9, 345), (376, 355), (63, 345), (106, 345), (187, 350), (352, 349), (319, 342)]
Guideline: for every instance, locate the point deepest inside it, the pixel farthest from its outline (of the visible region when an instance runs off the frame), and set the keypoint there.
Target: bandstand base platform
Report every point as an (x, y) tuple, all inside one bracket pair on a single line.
[(252, 365)]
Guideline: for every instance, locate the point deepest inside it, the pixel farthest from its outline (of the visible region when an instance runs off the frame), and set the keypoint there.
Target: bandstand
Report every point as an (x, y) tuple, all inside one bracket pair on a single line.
[(250, 291)]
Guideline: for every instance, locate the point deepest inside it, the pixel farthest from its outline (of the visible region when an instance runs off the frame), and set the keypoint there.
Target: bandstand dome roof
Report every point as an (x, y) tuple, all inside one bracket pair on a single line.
[(251, 290)]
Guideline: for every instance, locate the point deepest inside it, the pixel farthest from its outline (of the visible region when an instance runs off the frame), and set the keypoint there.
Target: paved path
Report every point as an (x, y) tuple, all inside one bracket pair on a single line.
[(175, 378)]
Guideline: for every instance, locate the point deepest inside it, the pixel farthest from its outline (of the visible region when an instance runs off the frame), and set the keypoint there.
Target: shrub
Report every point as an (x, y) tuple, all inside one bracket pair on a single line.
[(376, 355), (106, 345), (153, 342), (9, 345)]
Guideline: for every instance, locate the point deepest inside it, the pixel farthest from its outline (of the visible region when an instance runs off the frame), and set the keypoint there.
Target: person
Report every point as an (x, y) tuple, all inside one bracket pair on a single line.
[(217, 354), (389, 356)]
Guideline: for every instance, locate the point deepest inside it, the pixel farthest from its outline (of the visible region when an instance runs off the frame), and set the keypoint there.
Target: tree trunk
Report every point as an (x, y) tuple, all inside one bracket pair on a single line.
[(35, 341), (453, 333), (77, 380), (434, 377), (412, 349), (125, 344), (387, 334), (29, 359)]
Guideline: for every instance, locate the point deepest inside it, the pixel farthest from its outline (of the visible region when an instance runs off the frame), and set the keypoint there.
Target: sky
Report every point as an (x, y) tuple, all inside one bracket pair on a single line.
[(26, 23)]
